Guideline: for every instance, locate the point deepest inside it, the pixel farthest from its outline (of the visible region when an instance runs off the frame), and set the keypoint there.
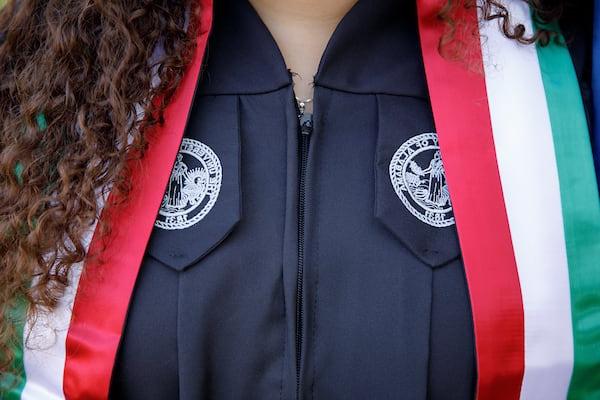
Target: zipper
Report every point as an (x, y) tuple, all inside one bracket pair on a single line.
[(305, 125)]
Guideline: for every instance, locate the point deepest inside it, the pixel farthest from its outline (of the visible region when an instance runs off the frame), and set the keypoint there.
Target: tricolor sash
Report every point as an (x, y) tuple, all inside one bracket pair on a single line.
[(516, 148), (515, 144), (70, 353)]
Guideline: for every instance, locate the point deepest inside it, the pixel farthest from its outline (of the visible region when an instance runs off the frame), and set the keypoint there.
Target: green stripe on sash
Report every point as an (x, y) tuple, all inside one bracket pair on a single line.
[(42, 125), (41, 122), (581, 212), (19, 172), (12, 384)]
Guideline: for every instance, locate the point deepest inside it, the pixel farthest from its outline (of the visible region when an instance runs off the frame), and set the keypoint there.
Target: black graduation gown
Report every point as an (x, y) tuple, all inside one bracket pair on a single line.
[(307, 276)]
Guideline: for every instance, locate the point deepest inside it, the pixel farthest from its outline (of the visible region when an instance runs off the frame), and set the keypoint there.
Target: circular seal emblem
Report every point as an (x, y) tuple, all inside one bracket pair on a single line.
[(419, 180), (193, 186)]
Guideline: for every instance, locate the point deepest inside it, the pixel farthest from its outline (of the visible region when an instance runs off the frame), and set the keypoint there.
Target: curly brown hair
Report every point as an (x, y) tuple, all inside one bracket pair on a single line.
[(456, 41), (74, 77)]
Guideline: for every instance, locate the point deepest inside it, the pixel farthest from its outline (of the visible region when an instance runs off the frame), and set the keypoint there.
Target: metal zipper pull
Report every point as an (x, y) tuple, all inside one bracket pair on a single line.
[(306, 123), (306, 119)]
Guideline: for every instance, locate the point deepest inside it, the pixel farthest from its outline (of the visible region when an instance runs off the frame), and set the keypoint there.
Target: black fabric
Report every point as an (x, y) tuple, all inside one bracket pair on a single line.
[(385, 307), (375, 49), (241, 56), (578, 34), (399, 118), (173, 247)]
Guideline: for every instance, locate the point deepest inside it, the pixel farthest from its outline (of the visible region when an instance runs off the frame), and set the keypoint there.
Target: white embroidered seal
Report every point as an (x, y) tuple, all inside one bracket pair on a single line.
[(193, 187), (419, 180)]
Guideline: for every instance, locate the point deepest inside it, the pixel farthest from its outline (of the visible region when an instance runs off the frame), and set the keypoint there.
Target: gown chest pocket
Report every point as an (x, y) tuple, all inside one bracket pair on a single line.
[(412, 196), (202, 201)]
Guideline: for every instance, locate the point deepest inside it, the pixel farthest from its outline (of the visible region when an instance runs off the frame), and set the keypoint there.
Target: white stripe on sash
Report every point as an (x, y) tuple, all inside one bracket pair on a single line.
[(44, 350), (528, 171)]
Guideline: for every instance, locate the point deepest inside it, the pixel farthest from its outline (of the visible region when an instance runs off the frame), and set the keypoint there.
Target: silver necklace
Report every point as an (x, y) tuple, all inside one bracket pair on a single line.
[(302, 104)]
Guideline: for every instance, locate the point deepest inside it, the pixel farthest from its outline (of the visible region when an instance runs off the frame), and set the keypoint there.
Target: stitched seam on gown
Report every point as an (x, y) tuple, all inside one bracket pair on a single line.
[(316, 187), (177, 338)]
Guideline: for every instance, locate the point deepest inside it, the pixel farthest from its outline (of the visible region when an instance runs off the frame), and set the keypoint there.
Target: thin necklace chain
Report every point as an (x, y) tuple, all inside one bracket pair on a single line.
[(302, 104)]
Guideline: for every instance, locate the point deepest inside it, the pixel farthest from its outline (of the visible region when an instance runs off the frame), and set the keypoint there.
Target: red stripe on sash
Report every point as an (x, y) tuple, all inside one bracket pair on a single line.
[(459, 100), (105, 288)]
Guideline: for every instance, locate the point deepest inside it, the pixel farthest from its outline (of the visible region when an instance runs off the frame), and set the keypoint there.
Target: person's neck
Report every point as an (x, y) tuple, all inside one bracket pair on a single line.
[(311, 12), (302, 29)]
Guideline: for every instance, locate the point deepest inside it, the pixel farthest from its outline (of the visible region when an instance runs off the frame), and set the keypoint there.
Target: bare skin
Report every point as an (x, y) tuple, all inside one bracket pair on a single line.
[(302, 29)]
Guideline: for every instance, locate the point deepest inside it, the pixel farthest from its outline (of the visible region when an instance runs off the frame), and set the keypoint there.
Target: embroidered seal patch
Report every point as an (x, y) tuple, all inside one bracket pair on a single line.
[(419, 180), (193, 186)]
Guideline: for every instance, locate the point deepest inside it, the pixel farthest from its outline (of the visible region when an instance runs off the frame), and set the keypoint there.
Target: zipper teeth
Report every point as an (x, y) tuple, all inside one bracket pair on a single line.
[(300, 277)]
